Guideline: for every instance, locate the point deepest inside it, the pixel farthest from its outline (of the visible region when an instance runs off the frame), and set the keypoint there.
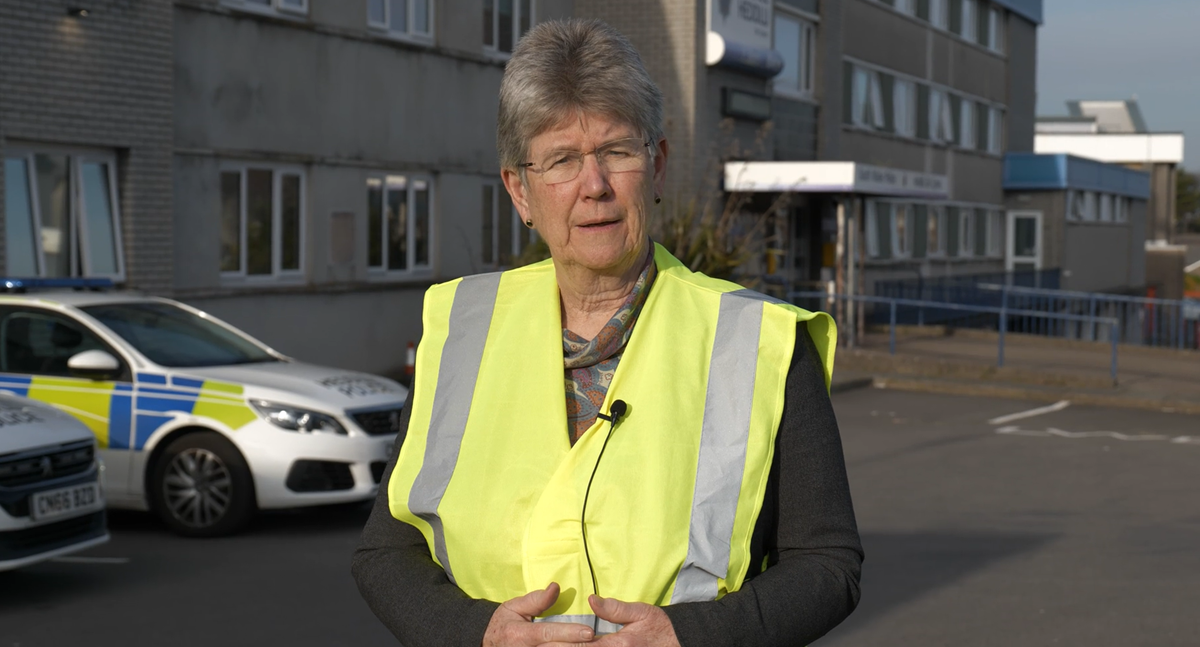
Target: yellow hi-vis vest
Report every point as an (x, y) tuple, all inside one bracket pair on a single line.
[(488, 474)]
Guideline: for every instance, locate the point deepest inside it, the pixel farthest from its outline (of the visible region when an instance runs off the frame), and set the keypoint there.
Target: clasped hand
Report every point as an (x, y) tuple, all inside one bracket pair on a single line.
[(512, 625)]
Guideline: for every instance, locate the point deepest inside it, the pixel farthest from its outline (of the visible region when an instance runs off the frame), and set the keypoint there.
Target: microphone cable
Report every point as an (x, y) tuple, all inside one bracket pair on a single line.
[(616, 412)]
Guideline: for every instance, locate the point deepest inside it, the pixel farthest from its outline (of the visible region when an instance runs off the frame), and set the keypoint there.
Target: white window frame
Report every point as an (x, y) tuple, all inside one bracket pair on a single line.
[(411, 268), (76, 209), (941, 119), (410, 35), (935, 246), (517, 225), (806, 75), (901, 244), (939, 15), (277, 173), (966, 123), (494, 49), (970, 21), (997, 33), (995, 143), (872, 225), (867, 96), (966, 232), (995, 233), (904, 107), (272, 8)]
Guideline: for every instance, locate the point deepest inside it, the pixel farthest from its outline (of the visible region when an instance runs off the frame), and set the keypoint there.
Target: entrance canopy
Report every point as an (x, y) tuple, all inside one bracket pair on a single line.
[(833, 177)]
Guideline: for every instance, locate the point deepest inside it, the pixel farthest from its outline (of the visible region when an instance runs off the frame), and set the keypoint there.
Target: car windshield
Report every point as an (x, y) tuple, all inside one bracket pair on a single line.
[(172, 336)]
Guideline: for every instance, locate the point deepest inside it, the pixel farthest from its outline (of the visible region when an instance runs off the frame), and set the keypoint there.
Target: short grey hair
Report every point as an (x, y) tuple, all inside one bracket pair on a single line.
[(566, 66)]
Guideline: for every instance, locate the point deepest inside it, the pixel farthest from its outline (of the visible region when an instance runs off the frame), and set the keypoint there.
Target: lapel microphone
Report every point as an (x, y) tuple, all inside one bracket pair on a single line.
[(615, 412)]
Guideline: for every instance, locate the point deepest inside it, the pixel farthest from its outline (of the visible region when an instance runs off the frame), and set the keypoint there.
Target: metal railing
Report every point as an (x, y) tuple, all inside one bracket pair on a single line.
[(1144, 321), (827, 301)]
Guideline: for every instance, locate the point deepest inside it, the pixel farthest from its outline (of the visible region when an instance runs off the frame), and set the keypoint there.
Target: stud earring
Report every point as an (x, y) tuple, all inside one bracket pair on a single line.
[(529, 223), (657, 199)]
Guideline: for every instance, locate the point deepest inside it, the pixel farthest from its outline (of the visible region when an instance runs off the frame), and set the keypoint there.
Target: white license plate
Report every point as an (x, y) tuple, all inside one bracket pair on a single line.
[(65, 501)]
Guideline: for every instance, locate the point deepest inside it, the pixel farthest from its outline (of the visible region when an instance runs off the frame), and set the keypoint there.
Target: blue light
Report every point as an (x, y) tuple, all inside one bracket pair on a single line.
[(20, 285)]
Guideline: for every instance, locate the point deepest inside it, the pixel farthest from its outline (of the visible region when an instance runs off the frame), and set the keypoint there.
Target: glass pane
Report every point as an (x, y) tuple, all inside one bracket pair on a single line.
[(374, 222), (505, 24), (258, 221), (289, 253), (98, 217), (376, 12), (21, 252), (901, 218), (934, 237), (293, 4), (54, 202), (421, 16), (807, 59), (420, 223), (397, 223), (526, 16), (504, 222), (787, 43), (172, 336), (489, 23), (1025, 238), (42, 344), (487, 233), (231, 222), (398, 18)]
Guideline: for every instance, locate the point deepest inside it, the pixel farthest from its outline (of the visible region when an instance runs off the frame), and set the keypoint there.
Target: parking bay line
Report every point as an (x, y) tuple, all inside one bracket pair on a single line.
[(91, 560), (1057, 406)]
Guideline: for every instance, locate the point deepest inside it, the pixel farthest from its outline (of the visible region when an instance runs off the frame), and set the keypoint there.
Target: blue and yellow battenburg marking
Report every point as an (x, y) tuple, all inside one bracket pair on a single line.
[(125, 416)]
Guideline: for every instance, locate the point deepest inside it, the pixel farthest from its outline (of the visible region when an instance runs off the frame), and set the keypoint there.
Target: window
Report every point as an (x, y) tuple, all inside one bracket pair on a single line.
[(173, 336), (1089, 206), (995, 240), (867, 99), (966, 232), (62, 217), (901, 231), (399, 230), (262, 221), (941, 120), (937, 14), (504, 23), (404, 18), (935, 224), (872, 227), (996, 24), (41, 343), (995, 143), (966, 137), (270, 6), (907, 7), (1106, 208), (795, 40), (1122, 209), (504, 236), (969, 20), (904, 101)]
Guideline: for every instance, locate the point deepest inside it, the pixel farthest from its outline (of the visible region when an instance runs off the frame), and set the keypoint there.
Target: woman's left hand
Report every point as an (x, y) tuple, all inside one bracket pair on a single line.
[(645, 625)]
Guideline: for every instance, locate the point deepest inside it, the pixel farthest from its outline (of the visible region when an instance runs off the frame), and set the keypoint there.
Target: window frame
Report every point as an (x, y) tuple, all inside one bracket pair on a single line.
[(902, 246), (384, 28), (275, 8), (936, 213), (278, 274), (412, 269), (908, 126), (871, 222), (517, 226), (969, 23), (966, 124), (997, 33), (807, 72), (966, 232), (995, 233), (124, 361), (939, 14), (872, 99), (494, 50), (80, 260)]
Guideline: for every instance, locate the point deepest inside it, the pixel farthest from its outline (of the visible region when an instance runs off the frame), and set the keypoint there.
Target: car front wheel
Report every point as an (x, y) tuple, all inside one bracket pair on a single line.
[(201, 486)]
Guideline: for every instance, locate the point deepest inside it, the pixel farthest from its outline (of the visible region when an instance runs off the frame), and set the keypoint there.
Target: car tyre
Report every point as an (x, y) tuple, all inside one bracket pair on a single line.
[(200, 486)]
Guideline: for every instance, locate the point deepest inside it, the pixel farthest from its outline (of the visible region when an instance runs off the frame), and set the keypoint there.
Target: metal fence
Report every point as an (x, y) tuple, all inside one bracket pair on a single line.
[(962, 289), (827, 302)]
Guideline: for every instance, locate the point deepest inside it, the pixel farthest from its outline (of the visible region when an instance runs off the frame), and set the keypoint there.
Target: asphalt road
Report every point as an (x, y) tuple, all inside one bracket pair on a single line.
[(1076, 527)]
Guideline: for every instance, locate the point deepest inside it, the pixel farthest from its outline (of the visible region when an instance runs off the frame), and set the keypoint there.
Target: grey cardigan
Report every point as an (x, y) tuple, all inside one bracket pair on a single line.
[(806, 531)]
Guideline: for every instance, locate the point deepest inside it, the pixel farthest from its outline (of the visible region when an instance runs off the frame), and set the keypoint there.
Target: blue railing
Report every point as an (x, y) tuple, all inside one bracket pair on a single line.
[(826, 302), (961, 289)]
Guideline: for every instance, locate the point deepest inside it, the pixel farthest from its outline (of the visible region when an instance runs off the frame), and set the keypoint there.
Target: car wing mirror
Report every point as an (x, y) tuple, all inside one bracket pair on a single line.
[(94, 365)]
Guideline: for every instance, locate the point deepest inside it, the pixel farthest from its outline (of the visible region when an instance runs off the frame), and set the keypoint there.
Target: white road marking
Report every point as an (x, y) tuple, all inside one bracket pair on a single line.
[(91, 560), (1057, 406), (1114, 435)]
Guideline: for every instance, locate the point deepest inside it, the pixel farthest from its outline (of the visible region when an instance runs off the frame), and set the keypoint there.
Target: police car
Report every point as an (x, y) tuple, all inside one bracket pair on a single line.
[(194, 419), (51, 503)]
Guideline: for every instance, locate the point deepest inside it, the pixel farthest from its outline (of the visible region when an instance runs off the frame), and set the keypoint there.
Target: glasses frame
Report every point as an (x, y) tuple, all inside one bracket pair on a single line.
[(531, 166)]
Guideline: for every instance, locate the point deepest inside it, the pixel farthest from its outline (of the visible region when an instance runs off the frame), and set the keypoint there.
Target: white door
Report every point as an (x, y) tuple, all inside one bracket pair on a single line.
[(1024, 241)]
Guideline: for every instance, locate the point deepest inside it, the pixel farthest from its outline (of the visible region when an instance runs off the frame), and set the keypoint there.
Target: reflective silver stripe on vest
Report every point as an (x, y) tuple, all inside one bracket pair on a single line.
[(601, 627), (723, 439), (462, 354)]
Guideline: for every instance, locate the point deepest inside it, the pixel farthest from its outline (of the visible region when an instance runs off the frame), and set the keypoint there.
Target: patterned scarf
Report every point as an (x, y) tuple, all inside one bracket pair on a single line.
[(590, 364)]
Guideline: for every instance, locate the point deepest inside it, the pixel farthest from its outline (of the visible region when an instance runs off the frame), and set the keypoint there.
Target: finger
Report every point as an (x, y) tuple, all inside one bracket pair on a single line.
[(562, 633), (616, 611), (535, 602)]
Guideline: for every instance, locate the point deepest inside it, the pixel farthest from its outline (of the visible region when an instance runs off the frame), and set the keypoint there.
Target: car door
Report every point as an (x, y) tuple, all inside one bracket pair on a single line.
[(35, 346)]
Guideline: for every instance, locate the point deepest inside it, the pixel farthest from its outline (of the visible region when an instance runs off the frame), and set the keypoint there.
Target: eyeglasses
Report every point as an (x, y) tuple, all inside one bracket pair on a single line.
[(618, 156)]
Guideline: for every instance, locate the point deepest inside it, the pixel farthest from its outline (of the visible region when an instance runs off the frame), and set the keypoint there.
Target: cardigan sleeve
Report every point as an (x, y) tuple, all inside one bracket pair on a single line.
[(811, 539), (807, 532)]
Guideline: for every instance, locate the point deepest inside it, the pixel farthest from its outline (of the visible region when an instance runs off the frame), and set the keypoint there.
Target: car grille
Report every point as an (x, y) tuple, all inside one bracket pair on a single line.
[(29, 541), (319, 476), (66, 460), (381, 422)]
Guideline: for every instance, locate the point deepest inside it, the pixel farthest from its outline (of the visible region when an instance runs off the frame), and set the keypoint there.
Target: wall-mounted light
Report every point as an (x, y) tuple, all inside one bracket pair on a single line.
[(77, 12)]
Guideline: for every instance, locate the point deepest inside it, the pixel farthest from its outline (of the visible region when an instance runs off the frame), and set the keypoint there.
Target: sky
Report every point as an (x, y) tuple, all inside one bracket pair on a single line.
[(1119, 49)]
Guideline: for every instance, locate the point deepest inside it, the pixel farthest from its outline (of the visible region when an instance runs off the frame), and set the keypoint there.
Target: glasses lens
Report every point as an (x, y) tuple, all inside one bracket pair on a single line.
[(619, 156), (561, 166)]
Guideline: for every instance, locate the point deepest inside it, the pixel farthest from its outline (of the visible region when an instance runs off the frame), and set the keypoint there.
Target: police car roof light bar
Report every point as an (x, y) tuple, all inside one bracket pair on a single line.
[(22, 285)]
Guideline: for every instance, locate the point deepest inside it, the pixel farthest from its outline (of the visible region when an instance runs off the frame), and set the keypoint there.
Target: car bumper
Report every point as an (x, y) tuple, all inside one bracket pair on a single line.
[(37, 543)]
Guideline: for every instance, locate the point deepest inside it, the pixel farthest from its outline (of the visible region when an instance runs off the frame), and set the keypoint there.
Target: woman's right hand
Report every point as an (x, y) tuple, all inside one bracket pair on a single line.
[(512, 624)]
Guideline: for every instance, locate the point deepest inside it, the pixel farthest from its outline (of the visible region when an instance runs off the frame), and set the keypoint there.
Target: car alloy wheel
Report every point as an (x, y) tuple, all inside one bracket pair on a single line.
[(198, 487)]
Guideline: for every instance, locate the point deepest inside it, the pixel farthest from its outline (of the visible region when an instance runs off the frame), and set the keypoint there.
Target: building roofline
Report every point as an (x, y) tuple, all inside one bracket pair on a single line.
[(1030, 10)]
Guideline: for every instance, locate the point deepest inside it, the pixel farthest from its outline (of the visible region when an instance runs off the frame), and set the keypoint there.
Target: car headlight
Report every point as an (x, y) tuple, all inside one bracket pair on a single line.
[(296, 419)]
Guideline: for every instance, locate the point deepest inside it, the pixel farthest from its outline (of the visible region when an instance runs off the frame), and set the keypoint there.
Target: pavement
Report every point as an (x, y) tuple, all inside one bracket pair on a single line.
[(1036, 368)]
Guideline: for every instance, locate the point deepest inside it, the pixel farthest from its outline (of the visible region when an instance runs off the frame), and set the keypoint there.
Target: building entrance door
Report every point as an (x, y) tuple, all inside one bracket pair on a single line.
[(1024, 242)]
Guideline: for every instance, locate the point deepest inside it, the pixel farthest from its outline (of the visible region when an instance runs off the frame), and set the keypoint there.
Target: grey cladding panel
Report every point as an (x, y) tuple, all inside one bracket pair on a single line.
[(811, 6)]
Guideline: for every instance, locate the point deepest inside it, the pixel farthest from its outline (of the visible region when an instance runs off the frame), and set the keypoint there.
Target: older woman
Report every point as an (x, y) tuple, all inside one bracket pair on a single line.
[(607, 443)]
